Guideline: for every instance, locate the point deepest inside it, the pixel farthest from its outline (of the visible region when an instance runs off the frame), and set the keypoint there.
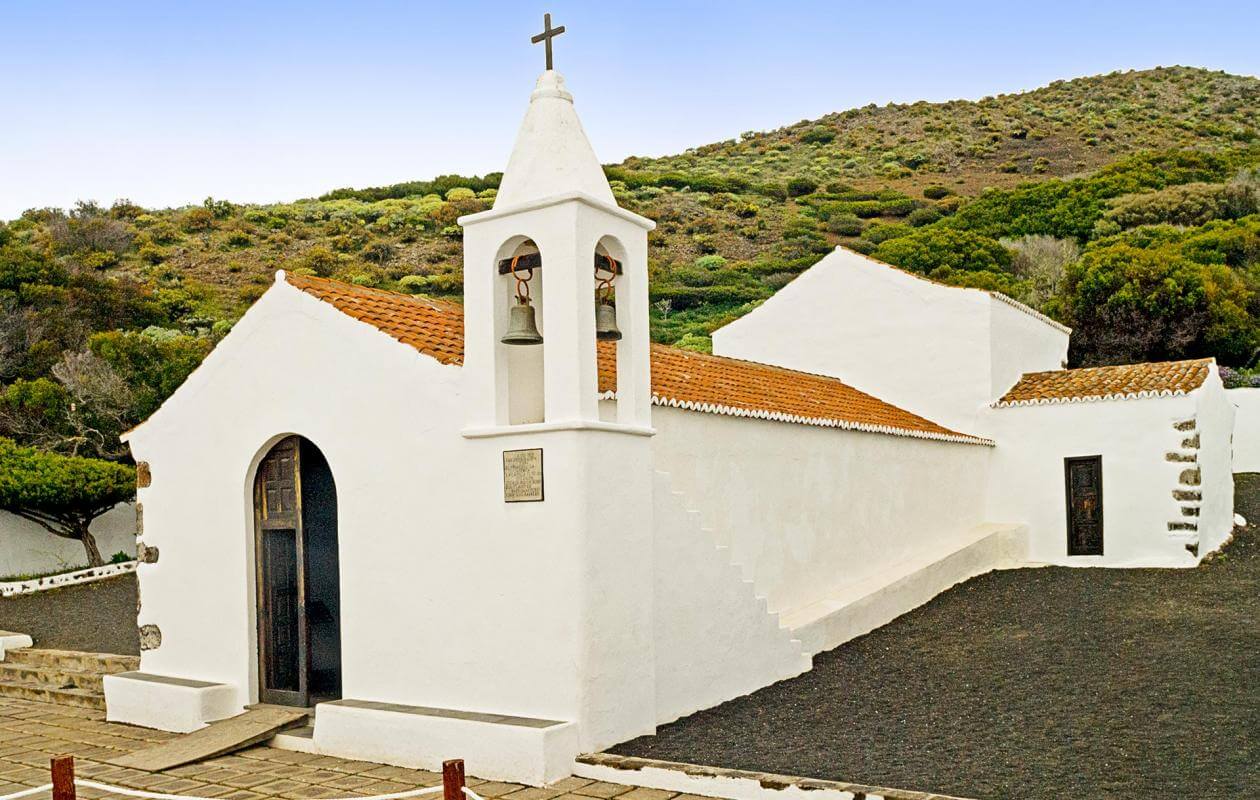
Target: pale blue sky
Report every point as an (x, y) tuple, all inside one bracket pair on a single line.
[(168, 102)]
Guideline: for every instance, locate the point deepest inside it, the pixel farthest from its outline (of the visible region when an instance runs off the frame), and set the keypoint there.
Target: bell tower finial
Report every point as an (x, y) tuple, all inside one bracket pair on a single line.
[(547, 35)]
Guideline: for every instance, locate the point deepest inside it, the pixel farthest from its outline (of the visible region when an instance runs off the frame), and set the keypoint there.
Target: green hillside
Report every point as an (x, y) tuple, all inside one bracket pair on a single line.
[(1125, 205)]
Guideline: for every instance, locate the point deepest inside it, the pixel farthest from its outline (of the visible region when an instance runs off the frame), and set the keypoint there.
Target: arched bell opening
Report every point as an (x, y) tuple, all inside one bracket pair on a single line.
[(519, 328), (298, 578), (610, 321)]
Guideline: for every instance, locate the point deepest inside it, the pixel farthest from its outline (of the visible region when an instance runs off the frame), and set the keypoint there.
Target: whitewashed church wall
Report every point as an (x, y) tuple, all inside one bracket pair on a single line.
[(28, 549), (441, 581), (714, 638), (1215, 418), (940, 351), (1020, 343), (806, 510), (1134, 438), (1246, 429)]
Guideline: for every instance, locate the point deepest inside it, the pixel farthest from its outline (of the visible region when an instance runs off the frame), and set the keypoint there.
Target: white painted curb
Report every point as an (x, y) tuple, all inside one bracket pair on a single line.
[(88, 575)]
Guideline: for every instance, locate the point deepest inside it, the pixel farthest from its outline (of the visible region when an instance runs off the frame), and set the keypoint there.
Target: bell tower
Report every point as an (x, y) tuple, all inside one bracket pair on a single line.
[(555, 218), (566, 415)]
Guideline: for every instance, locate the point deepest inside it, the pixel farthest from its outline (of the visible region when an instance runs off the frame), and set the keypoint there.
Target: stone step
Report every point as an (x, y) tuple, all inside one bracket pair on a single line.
[(82, 698), (54, 677), (100, 663)]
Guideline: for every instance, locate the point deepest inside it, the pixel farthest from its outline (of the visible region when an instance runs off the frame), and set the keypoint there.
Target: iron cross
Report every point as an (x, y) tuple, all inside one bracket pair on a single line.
[(547, 35)]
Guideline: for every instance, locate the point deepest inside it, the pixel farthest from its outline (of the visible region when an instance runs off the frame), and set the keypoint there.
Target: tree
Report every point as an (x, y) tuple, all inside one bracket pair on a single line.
[(62, 494), (1128, 304)]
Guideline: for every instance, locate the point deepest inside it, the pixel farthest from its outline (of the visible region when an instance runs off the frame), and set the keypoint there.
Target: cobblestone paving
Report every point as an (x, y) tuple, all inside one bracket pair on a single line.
[(33, 733)]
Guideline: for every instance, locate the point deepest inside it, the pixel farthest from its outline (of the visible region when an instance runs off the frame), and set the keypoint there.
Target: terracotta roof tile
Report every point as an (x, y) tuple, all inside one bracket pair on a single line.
[(433, 327), (1125, 382), (680, 378)]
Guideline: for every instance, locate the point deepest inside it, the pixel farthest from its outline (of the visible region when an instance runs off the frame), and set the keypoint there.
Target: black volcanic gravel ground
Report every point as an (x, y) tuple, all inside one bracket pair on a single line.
[(98, 617), (1034, 683)]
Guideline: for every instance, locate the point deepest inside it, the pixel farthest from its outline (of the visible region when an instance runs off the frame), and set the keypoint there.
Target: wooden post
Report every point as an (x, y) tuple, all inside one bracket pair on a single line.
[(452, 779), (63, 778)]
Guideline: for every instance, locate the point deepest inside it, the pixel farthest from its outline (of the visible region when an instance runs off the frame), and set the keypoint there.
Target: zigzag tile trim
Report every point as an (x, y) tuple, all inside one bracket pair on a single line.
[(1051, 401), (777, 416)]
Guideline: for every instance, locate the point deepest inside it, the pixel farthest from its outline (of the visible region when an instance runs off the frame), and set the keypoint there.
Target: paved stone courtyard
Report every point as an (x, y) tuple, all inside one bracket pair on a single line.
[(32, 733)]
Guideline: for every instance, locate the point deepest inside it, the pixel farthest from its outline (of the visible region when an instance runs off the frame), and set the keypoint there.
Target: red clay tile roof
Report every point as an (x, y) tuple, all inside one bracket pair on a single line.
[(680, 378), (1126, 382)]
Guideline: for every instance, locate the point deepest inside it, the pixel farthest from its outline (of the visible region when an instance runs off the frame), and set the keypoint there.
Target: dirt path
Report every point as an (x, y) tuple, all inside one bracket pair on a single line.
[(98, 617), (1033, 683)]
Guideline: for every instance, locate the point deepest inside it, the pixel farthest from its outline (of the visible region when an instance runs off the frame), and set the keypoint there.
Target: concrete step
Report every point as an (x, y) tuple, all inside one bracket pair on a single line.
[(54, 677), (39, 693), (100, 663)]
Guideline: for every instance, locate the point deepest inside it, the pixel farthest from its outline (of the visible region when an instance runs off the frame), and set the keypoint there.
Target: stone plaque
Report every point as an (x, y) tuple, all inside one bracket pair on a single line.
[(523, 476)]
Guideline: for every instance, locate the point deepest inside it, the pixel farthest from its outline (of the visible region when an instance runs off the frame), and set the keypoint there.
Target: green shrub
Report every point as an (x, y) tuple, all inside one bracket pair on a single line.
[(937, 192), (845, 225), (819, 134), (926, 249), (321, 261), (923, 216), (799, 187)]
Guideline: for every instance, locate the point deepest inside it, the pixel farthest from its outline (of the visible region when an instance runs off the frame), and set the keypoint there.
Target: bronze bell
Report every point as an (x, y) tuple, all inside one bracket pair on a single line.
[(606, 323), (522, 328)]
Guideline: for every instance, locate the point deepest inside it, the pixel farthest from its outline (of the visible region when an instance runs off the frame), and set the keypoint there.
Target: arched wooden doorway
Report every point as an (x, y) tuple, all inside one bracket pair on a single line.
[(299, 593)]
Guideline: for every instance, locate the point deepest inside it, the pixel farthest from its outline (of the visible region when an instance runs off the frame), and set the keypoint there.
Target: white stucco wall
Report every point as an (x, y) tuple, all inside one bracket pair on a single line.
[(940, 351), (806, 511), (1134, 438), (1020, 342), (442, 583), (28, 549), (1246, 403), (1215, 418), (715, 638)]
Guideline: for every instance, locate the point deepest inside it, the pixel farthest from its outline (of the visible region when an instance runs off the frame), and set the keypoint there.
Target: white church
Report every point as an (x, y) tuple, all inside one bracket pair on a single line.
[(515, 531)]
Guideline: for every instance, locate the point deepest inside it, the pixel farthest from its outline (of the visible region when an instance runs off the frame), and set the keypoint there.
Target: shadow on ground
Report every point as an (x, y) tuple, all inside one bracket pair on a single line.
[(98, 617), (1031, 683)]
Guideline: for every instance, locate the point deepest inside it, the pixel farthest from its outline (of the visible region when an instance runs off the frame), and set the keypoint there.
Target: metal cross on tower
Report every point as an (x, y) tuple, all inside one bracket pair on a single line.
[(547, 35)]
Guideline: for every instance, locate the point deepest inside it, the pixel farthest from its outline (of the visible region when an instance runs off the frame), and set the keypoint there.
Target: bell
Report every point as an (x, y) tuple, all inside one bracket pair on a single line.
[(522, 329), (606, 323)]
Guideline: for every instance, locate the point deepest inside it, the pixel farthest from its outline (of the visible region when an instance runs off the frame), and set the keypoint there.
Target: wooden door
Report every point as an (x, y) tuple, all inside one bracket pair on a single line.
[(283, 636), (1083, 477)]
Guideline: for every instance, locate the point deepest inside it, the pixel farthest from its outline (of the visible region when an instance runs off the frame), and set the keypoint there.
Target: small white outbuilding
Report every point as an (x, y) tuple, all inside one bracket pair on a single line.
[(456, 532)]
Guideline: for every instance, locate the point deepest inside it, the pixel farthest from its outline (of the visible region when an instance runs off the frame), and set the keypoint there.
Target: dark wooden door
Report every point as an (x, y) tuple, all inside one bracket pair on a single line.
[(1083, 477), (283, 635)]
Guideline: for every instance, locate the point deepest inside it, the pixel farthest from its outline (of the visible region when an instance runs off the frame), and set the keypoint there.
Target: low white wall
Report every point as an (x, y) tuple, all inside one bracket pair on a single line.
[(1134, 438), (28, 549), (807, 510), (1246, 403)]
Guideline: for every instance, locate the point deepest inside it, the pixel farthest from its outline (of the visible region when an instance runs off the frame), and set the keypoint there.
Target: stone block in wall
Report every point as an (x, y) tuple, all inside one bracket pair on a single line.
[(150, 637), (146, 554), (1187, 494), (1191, 477), (1184, 425), (144, 477)]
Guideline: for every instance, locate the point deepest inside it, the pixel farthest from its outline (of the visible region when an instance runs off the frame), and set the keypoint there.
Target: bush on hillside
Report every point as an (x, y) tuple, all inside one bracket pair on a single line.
[(926, 249)]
